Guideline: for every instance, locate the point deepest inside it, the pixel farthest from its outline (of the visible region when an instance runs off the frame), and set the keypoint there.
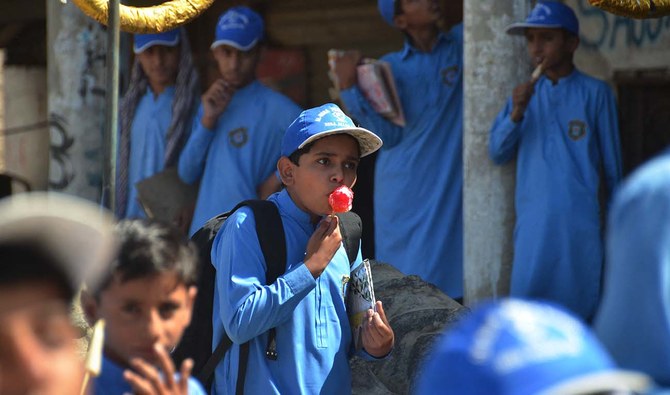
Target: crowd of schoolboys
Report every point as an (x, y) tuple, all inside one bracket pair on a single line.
[(242, 140)]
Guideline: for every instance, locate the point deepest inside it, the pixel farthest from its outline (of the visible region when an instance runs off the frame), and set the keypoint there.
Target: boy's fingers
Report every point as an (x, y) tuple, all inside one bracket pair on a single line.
[(186, 369), (166, 365), (139, 385), (382, 313), (148, 372)]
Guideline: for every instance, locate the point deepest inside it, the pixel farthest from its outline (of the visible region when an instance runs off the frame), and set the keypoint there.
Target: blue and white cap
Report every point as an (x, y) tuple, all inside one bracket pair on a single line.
[(516, 347), (326, 120), (240, 27), (547, 14), (387, 10), (145, 41)]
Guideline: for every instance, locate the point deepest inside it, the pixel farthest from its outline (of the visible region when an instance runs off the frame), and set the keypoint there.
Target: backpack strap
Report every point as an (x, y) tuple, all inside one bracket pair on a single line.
[(351, 229), (272, 240)]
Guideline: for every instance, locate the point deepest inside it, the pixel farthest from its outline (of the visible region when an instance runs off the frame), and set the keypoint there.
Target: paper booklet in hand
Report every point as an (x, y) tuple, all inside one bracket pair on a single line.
[(360, 298), (164, 195), (375, 80)]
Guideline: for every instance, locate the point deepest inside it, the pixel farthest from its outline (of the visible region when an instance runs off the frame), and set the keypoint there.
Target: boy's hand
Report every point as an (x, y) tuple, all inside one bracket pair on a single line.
[(215, 101), (378, 337), (520, 98), (323, 244), (147, 380), (343, 66)]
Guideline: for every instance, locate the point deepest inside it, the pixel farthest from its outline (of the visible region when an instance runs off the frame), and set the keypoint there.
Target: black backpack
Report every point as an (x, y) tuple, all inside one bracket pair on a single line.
[(196, 343)]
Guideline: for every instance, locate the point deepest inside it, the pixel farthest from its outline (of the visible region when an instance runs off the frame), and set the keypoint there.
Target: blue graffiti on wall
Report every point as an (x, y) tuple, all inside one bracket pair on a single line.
[(615, 31)]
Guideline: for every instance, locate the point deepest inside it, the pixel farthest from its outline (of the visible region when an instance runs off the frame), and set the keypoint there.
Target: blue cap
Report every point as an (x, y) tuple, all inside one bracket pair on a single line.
[(387, 9), (547, 14), (516, 347), (145, 41), (240, 27), (327, 120)]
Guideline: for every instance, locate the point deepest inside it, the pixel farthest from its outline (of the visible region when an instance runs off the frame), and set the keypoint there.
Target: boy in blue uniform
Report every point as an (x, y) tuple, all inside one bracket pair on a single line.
[(156, 113), (418, 220), (237, 133), (320, 151), (562, 129), (632, 320), (146, 301)]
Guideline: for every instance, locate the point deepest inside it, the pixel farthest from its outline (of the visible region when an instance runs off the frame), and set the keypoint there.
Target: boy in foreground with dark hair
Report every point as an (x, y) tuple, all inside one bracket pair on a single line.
[(320, 152), (561, 126), (146, 301)]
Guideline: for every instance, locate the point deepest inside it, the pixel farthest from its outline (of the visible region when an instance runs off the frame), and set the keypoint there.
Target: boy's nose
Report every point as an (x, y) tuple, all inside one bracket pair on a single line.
[(337, 176), (154, 325)]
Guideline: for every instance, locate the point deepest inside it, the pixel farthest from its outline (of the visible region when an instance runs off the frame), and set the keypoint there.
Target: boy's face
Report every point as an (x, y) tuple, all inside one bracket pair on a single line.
[(38, 354), (237, 68), (332, 161), (141, 312), (160, 63), (418, 13), (552, 47)]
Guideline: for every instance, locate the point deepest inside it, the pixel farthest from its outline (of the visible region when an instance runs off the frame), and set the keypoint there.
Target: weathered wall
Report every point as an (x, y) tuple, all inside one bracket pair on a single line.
[(24, 144), (610, 43), (76, 61)]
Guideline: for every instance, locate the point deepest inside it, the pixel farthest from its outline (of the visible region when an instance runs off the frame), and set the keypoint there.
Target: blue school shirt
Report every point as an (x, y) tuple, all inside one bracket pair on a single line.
[(312, 327), (568, 133), (147, 143), (418, 209), (633, 320), (242, 150), (111, 381)]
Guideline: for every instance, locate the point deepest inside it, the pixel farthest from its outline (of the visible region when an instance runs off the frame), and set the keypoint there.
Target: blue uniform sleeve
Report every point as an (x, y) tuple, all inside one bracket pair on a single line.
[(504, 136), (194, 155), (608, 140), (249, 307), (359, 108)]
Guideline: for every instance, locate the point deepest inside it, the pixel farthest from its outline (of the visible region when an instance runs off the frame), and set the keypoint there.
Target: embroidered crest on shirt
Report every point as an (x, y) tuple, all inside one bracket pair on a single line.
[(449, 75), (238, 137), (576, 129)]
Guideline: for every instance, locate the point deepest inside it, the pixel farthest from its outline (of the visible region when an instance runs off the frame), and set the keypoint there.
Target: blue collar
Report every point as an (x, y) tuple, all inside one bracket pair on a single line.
[(408, 48), (289, 208)]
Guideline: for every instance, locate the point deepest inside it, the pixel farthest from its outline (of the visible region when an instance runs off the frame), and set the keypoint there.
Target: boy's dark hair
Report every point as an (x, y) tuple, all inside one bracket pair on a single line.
[(150, 247), (295, 156), (24, 262)]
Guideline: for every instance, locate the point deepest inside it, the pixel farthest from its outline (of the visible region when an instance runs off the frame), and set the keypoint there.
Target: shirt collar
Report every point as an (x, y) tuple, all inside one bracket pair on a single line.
[(288, 207), (408, 48)]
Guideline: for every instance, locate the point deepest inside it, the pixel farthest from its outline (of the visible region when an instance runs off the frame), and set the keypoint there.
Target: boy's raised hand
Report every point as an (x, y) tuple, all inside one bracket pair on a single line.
[(520, 98), (323, 244), (215, 101), (148, 380), (378, 337), (343, 66)]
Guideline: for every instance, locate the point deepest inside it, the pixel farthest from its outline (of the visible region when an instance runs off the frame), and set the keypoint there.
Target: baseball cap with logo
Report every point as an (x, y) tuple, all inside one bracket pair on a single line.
[(326, 120), (516, 347), (146, 41), (75, 236), (240, 27), (547, 14)]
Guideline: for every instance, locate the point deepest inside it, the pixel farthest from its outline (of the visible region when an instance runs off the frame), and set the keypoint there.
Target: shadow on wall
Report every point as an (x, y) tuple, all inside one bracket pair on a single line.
[(418, 313)]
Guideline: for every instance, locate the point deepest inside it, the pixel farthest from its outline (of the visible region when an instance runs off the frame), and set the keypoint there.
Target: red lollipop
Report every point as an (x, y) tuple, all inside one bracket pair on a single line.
[(341, 199)]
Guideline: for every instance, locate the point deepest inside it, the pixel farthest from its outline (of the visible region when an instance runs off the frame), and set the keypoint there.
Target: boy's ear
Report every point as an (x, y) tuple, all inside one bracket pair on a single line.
[(191, 293), (400, 21), (573, 42), (90, 307), (285, 167)]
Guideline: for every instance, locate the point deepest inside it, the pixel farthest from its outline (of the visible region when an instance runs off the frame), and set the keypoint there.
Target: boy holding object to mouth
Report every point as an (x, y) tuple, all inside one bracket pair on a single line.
[(561, 127)]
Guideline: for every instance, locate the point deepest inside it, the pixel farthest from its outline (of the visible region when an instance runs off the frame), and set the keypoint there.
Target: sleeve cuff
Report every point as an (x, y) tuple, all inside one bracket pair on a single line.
[(300, 280)]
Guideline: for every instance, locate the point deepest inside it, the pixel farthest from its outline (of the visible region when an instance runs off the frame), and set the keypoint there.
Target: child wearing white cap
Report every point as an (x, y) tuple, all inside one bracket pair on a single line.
[(237, 132), (427, 211), (561, 127), (320, 152), (156, 113)]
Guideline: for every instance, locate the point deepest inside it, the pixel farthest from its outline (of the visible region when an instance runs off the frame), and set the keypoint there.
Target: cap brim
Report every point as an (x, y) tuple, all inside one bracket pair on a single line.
[(161, 41), (233, 44), (76, 233), (601, 381), (367, 141), (519, 29)]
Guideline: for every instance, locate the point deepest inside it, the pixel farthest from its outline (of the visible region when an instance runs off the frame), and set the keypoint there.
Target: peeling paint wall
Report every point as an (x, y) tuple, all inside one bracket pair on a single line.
[(76, 57)]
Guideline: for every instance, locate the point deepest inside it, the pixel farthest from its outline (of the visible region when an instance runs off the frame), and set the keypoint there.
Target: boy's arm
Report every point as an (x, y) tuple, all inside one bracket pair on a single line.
[(504, 136), (194, 155), (248, 306), (608, 140)]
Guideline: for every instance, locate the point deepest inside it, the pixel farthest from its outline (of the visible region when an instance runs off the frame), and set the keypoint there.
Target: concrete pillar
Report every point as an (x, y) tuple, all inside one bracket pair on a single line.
[(493, 64), (76, 80)]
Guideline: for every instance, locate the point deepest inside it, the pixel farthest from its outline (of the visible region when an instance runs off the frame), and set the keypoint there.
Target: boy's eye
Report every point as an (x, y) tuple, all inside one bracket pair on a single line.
[(167, 310), (131, 308), (351, 165), (323, 161)]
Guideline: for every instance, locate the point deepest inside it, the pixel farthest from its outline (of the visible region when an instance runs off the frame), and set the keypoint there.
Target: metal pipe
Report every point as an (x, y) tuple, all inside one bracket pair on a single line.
[(112, 99)]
